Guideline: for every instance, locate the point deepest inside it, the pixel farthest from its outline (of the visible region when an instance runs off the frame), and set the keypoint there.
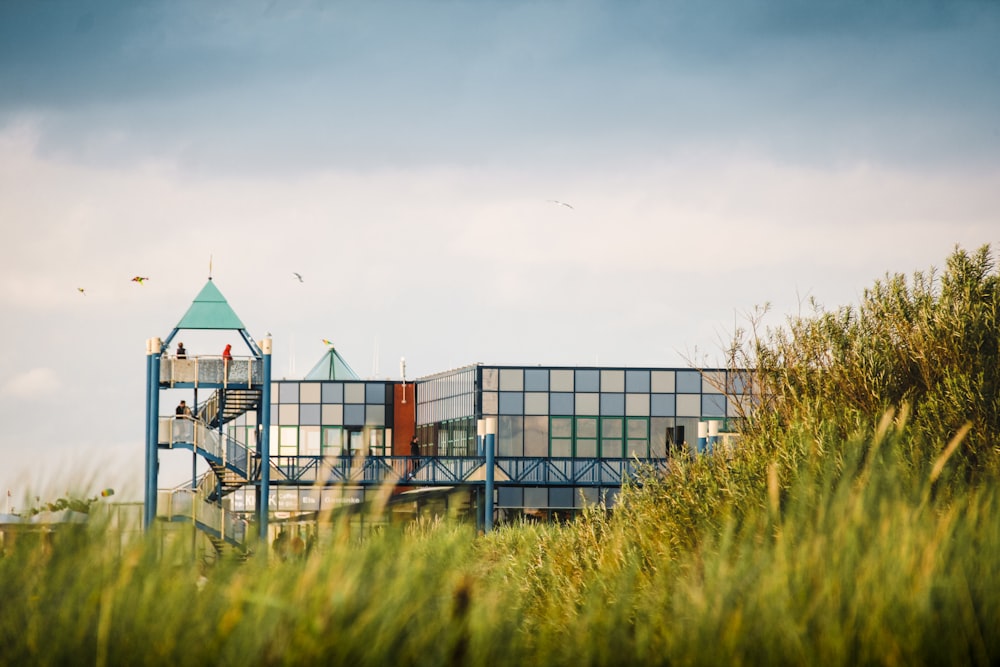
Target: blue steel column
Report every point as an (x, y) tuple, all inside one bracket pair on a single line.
[(488, 442), (702, 436), (265, 445), (153, 349)]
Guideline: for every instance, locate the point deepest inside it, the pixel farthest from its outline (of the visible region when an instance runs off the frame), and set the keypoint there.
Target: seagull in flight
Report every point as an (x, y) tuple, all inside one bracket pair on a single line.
[(560, 203), (297, 275), (140, 279)]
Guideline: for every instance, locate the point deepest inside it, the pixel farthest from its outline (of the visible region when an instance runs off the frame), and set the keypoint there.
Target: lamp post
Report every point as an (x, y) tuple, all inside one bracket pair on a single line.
[(487, 429), (264, 494)]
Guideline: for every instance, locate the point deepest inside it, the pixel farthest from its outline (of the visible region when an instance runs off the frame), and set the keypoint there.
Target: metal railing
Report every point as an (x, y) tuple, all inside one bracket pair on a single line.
[(178, 504), (215, 446), (212, 370)]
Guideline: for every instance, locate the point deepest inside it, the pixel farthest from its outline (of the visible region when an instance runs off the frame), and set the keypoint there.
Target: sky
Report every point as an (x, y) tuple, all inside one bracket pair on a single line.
[(407, 159)]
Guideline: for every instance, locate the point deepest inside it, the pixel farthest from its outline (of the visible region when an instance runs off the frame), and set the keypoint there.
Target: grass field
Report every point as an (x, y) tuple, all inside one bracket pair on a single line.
[(848, 528)]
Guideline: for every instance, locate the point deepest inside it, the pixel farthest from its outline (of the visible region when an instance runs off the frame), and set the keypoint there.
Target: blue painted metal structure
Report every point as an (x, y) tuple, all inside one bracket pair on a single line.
[(209, 311)]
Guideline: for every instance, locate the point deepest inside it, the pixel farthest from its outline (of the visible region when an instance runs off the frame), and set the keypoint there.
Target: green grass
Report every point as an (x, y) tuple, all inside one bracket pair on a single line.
[(848, 528)]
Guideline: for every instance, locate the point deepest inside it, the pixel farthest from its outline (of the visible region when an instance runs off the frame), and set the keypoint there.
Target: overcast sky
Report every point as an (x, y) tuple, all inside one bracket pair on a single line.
[(402, 155)]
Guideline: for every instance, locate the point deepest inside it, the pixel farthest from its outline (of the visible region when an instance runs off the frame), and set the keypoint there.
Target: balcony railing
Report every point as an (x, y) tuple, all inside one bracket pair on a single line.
[(211, 370)]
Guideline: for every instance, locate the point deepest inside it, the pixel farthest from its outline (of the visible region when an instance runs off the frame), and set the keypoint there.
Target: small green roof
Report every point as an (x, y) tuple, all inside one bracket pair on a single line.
[(332, 367), (210, 310)]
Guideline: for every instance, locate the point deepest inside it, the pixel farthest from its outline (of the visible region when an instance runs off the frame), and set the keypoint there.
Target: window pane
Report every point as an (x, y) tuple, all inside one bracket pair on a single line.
[(561, 447), (713, 405), (611, 449), (511, 403), (333, 414), (637, 382), (536, 436), (586, 427), (375, 393), (510, 439), (586, 448), (309, 392), (638, 428), (689, 405), (536, 497), (354, 415), (587, 404), (375, 415), (688, 382), (536, 403), (662, 382), (333, 392), (309, 414), (588, 380), (333, 441), (310, 436), (491, 402), (561, 380), (511, 379), (562, 427), (560, 404), (536, 379), (288, 414), (637, 405), (612, 428), (491, 381), (662, 405), (612, 381), (288, 392), (354, 392), (613, 404), (637, 447), (288, 444)]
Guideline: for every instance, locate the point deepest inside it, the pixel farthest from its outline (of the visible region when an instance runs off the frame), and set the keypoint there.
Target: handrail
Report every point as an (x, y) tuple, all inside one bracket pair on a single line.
[(211, 369), (188, 504)]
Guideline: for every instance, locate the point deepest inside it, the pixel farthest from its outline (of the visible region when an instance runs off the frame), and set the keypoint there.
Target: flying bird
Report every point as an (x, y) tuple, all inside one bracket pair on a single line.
[(81, 291), (328, 342), (560, 203), (297, 275), (140, 279)]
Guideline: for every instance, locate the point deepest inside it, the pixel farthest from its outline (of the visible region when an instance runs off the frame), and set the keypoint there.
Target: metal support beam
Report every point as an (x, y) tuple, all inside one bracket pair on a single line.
[(489, 445), (153, 350), (265, 445)]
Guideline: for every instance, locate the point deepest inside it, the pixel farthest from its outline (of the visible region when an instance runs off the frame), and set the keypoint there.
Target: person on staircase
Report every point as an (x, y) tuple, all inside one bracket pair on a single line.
[(185, 426)]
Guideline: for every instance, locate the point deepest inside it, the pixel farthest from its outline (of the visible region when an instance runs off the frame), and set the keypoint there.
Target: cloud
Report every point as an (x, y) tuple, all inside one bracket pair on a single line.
[(32, 384)]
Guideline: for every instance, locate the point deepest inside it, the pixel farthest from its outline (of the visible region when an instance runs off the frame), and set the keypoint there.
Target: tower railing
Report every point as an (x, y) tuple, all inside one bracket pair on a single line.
[(211, 370)]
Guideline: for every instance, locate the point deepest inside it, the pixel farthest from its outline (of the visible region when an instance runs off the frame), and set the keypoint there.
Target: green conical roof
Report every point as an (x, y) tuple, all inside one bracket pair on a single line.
[(210, 310), (332, 367)]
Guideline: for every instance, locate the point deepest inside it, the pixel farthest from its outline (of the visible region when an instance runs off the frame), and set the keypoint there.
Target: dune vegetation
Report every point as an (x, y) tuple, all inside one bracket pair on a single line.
[(857, 522)]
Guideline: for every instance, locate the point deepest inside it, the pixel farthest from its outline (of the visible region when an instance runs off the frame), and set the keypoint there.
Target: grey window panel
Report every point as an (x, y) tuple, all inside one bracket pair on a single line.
[(288, 392), (510, 496), (375, 393), (561, 497), (613, 405), (586, 495), (561, 404), (354, 415), (536, 379), (713, 405), (536, 497), (688, 382), (637, 382), (309, 414), (511, 403), (662, 405), (333, 392), (588, 380)]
